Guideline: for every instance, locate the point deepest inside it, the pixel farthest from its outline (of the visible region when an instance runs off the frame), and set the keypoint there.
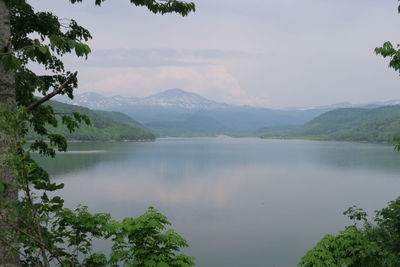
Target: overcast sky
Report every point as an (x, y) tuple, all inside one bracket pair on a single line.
[(272, 53)]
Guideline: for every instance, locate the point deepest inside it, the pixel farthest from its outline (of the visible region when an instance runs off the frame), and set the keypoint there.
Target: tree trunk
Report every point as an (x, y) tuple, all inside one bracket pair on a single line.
[(7, 100)]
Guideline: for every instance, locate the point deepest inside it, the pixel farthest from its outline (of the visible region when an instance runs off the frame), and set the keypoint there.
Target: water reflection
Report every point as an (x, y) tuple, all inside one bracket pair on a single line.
[(239, 202), (81, 157)]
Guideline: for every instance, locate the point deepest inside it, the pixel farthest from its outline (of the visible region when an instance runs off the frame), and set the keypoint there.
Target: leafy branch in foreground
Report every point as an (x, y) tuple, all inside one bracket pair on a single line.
[(375, 243), (397, 144), (36, 229), (388, 50), (392, 52), (43, 232)]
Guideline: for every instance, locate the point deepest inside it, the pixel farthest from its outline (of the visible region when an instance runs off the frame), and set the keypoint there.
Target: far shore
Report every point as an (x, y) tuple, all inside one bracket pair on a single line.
[(317, 139), (102, 141)]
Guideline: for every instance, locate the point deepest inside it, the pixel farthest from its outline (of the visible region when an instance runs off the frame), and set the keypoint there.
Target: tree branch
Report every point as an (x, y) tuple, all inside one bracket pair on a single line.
[(52, 94), (34, 239), (17, 50), (17, 250)]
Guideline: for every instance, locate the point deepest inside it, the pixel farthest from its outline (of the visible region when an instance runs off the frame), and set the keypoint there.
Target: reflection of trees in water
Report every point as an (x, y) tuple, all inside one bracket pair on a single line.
[(183, 159), (354, 155), (83, 156)]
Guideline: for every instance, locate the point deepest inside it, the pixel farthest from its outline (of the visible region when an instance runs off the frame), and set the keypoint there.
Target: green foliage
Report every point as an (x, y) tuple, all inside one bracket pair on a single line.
[(43, 232), (388, 50), (349, 248), (144, 241), (154, 6), (392, 52), (37, 226), (376, 243), (356, 214), (43, 38), (397, 143)]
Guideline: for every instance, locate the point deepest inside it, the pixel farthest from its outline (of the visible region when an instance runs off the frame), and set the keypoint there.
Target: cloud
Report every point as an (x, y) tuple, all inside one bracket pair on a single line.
[(145, 71), (214, 82), (155, 57), (285, 53)]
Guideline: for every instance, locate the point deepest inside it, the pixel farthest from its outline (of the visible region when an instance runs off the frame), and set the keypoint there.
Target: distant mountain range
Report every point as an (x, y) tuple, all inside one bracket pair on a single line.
[(176, 112), (172, 98)]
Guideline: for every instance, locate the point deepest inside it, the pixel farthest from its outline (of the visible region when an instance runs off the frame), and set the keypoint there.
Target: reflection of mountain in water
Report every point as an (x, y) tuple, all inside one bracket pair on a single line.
[(347, 155)]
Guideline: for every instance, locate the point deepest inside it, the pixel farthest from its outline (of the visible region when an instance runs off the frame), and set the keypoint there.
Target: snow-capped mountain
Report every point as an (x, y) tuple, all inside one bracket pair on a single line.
[(96, 101), (175, 98), (181, 99), (178, 98)]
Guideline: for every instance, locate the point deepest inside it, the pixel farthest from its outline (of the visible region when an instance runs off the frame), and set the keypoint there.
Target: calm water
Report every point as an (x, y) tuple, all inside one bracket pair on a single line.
[(239, 202)]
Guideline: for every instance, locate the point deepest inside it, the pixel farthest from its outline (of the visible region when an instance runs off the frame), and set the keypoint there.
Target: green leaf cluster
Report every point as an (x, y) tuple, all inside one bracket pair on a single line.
[(44, 233), (153, 243), (391, 51), (388, 50), (162, 7), (375, 243)]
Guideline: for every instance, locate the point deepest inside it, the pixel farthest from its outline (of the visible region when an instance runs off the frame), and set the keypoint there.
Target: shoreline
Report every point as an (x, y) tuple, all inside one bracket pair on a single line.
[(326, 140), (101, 141), (216, 137)]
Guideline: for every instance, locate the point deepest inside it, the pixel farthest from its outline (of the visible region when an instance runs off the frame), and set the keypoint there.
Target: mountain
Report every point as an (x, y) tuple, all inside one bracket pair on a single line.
[(178, 98), (174, 112), (173, 98), (96, 101), (105, 125), (351, 124)]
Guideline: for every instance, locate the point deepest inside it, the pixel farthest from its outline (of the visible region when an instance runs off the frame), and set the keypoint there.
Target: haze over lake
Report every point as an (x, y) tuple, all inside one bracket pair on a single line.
[(238, 202)]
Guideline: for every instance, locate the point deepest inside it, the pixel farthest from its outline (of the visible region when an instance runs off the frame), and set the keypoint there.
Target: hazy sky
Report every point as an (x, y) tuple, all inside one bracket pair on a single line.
[(274, 53)]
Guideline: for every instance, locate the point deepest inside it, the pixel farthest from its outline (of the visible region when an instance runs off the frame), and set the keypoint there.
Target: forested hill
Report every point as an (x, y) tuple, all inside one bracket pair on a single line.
[(120, 117), (352, 124), (105, 125)]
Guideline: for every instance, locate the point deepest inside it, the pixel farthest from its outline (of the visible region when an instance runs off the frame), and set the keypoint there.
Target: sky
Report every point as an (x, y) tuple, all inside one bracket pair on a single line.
[(267, 53)]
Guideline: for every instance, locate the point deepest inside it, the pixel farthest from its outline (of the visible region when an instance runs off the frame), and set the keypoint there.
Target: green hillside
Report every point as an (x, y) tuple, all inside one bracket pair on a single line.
[(105, 125), (351, 124), (374, 131), (120, 117)]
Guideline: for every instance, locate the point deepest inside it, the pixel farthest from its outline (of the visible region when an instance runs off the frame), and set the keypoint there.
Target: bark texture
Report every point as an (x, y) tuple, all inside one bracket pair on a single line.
[(7, 100)]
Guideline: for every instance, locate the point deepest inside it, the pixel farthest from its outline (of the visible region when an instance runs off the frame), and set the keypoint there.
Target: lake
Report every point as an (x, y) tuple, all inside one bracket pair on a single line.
[(237, 201)]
